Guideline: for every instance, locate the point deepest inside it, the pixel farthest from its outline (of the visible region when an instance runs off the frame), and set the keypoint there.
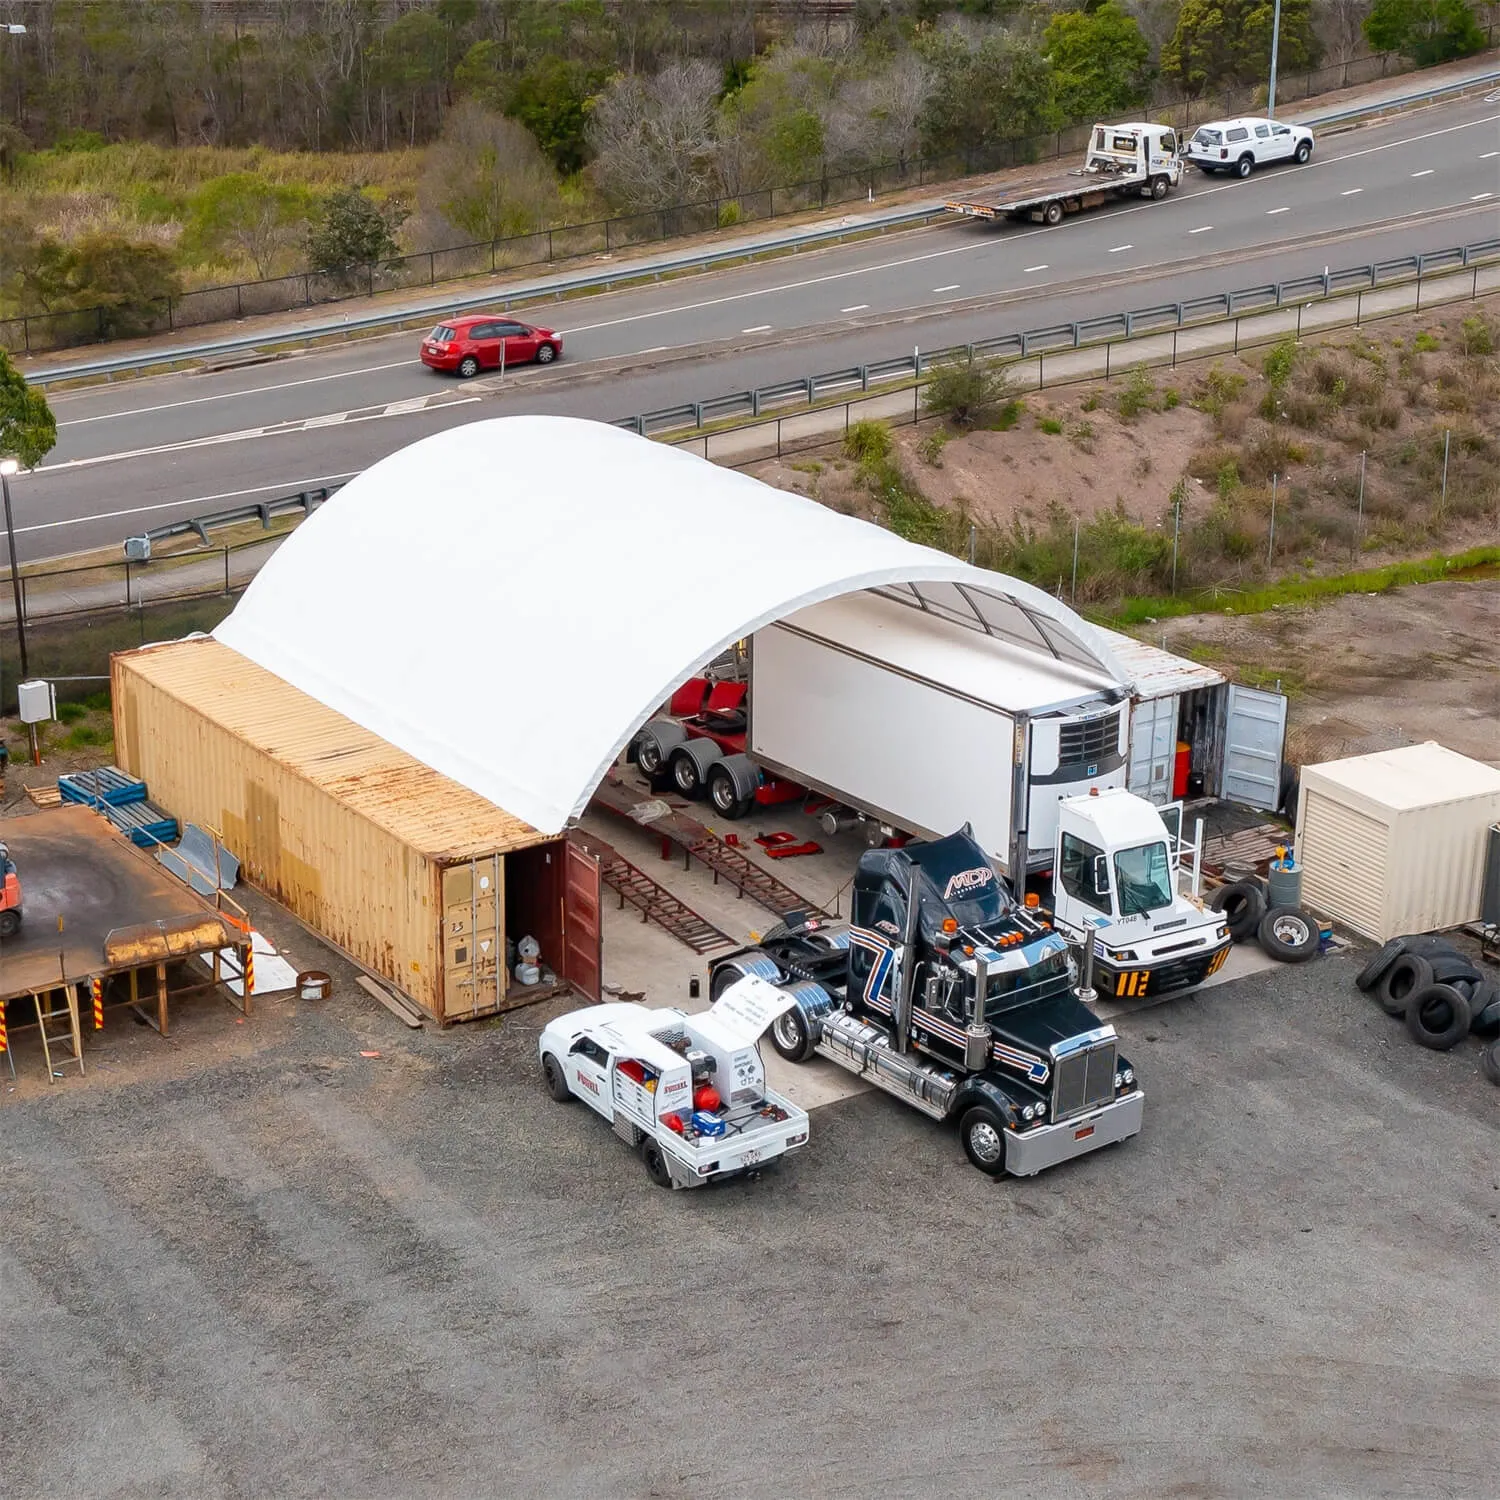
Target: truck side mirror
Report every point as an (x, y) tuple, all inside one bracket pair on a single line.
[(1101, 874)]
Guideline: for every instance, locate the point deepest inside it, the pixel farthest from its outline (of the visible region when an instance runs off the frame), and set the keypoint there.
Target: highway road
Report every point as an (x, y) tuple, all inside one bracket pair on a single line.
[(138, 454)]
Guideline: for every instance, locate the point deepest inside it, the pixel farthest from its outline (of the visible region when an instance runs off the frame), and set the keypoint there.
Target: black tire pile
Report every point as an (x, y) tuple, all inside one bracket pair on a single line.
[(1287, 933), (1439, 992)]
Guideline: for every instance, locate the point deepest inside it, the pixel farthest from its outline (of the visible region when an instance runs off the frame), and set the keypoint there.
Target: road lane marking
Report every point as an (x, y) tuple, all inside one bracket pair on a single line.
[(1480, 197), (1116, 249), (1285, 209), (951, 287), (259, 390), (1030, 269), (1201, 229), (1485, 155), (759, 328), (1425, 172), (1350, 192), (858, 307)]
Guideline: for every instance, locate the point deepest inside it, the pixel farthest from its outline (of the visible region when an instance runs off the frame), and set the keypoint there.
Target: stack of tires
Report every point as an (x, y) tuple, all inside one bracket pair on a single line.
[(1440, 993), (1287, 933)]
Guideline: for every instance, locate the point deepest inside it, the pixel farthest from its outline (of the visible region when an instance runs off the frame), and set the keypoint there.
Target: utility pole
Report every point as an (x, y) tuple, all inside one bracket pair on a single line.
[(1275, 47)]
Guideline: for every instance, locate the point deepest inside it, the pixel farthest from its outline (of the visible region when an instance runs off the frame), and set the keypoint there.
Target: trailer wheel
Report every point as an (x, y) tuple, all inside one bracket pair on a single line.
[(1437, 1017), (1052, 213), (1160, 187), (791, 1037), (557, 1083), (656, 741), (1244, 166), (690, 765), (10, 922), (655, 1162), (1401, 981), (983, 1133), (1287, 933), (731, 786)]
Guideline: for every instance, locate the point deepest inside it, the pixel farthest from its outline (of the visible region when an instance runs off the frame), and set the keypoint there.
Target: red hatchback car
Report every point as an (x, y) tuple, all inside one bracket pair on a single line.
[(471, 344)]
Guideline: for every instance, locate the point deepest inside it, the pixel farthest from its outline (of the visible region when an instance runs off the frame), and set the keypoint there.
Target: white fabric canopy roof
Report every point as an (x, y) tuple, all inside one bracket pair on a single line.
[(508, 601)]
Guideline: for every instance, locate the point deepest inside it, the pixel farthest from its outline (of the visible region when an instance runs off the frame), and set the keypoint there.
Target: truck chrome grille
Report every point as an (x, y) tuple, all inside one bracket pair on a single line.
[(1083, 1080)]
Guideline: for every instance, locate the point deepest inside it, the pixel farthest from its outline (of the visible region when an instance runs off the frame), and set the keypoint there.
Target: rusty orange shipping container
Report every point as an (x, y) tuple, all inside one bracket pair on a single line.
[(415, 877)]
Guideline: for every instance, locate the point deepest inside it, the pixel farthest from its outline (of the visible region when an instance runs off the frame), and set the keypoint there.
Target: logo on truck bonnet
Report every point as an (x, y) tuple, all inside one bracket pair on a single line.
[(966, 882)]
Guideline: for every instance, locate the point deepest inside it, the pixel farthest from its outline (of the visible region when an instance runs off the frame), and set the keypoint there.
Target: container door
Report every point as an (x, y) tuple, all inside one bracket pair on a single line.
[(1254, 738), (473, 938), (583, 932), (1153, 749)]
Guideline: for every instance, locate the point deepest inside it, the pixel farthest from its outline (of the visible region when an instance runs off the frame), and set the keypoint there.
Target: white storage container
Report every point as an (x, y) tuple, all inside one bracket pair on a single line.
[(1395, 842)]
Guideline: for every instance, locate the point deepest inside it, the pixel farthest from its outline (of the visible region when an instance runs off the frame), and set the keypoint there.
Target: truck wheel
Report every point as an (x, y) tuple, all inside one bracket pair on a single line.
[(726, 797), (1304, 153), (656, 742), (1287, 933), (557, 1083), (10, 923), (791, 1037), (655, 1162), (983, 1134), (1053, 213), (1437, 1017), (1374, 971), (1243, 904), (1160, 187), (1407, 975), (1244, 166), (690, 765)]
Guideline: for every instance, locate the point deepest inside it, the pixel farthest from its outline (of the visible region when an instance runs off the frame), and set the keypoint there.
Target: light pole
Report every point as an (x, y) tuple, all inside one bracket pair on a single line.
[(9, 466), (1275, 45)]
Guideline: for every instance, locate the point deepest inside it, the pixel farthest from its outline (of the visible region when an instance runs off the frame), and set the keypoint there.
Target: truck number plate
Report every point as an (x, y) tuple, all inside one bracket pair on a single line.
[(751, 1157), (1084, 1133)]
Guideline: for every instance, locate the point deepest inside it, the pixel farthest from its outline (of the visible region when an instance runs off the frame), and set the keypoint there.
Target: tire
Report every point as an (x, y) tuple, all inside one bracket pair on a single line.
[(1489, 1061), (724, 797), (655, 743), (1374, 971), (1407, 975), (1289, 935), (791, 1037), (1052, 213), (654, 1159), (1451, 968), (545, 354), (982, 1132), (1484, 1004), (1244, 166), (1304, 153), (1243, 903), (1160, 187), (10, 922), (1437, 1016), (468, 367), (556, 1079)]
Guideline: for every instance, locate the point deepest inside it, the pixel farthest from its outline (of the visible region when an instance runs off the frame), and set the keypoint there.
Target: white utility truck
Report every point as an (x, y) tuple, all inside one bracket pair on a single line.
[(687, 1092), (1136, 159), (1125, 878)]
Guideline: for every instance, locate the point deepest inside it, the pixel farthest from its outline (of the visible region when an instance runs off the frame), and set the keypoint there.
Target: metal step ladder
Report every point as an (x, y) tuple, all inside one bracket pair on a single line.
[(69, 1036), (654, 902)]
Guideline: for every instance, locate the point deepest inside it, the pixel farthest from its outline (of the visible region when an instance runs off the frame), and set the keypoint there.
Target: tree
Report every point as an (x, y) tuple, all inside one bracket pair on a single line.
[(551, 99), (1101, 63), (129, 283), (777, 117), (997, 90), (877, 115), (1427, 31), (351, 229), (28, 430), (653, 139), (243, 213), (487, 177), (1229, 41)]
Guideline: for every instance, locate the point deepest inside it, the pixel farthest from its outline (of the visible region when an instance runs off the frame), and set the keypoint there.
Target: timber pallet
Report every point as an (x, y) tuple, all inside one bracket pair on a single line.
[(698, 842), (654, 902)]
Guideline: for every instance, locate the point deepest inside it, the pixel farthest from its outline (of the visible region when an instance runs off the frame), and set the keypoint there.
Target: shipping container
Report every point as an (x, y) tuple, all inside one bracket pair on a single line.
[(1395, 842), (416, 878)]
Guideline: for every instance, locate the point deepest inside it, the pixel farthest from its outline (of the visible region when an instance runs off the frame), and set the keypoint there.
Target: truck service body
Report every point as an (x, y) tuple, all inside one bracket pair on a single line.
[(1130, 160), (945, 992)]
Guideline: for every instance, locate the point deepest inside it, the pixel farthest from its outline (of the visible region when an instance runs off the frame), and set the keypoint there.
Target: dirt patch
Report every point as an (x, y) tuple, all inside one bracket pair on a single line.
[(1367, 672)]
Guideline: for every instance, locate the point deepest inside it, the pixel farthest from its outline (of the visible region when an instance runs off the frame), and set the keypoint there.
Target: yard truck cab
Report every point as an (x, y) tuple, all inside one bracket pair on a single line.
[(1124, 880), (947, 993)]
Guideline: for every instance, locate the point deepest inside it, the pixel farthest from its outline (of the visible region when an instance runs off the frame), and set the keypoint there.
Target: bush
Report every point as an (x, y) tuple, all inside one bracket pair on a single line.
[(1217, 390), (351, 230), (930, 448), (1278, 364), (128, 282), (1050, 425), (970, 394), (868, 442), (1476, 338), (1138, 395)]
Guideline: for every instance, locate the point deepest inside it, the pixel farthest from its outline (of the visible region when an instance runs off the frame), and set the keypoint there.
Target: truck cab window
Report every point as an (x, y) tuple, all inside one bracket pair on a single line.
[(587, 1047), (1077, 872), (1144, 878)]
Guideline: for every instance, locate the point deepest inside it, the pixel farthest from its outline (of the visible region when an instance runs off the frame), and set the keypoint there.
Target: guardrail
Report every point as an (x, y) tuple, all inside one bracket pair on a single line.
[(138, 548), (1073, 137), (1222, 308)]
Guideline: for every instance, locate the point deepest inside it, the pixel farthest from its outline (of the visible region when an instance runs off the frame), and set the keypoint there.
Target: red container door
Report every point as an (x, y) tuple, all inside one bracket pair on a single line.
[(583, 931)]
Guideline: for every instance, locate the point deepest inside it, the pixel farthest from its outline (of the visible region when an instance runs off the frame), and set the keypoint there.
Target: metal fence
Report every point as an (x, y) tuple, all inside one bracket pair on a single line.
[(1085, 350), (38, 333)]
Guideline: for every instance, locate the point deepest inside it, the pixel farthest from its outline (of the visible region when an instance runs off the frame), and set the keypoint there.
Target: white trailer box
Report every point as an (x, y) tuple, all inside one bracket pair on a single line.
[(928, 723), (1395, 842)]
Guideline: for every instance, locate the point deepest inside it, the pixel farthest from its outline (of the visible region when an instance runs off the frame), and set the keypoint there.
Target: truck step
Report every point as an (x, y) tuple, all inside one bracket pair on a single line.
[(867, 1052), (617, 796), (654, 902)]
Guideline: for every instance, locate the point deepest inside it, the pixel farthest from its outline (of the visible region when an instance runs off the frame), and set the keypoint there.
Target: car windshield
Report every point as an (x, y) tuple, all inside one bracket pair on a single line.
[(1207, 137), (442, 334), (1143, 877)]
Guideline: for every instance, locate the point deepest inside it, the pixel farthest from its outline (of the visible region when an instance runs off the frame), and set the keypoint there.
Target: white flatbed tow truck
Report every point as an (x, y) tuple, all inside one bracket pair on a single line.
[(687, 1092)]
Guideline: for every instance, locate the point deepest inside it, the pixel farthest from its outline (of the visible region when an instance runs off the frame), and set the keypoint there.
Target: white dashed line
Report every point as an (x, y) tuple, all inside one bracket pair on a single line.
[(1350, 192), (1116, 249), (952, 287), (759, 328), (1480, 197), (1030, 269), (1284, 209), (1201, 229), (1425, 172), (858, 307), (1485, 155)]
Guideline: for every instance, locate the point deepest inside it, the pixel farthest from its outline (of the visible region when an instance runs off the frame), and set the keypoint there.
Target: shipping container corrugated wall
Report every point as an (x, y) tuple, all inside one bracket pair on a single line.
[(350, 833)]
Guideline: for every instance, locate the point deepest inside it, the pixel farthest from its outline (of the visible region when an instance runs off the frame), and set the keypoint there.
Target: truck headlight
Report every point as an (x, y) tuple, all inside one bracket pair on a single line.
[(1028, 1111), (1119, 1080), (1123, 955), (1129, 1075)]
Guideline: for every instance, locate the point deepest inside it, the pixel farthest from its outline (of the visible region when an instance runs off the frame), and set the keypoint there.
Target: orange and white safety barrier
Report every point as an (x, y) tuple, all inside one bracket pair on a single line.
[(249, 968), (96, 988), (4, 1039)]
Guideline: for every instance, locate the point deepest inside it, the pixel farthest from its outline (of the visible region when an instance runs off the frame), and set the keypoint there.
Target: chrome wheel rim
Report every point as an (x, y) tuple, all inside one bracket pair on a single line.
[(985, 1143), (1291, 931), (787, 1031)]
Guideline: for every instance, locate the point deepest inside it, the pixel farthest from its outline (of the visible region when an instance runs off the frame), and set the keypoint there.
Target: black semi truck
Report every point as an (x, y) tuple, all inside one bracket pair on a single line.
[(947, 993)]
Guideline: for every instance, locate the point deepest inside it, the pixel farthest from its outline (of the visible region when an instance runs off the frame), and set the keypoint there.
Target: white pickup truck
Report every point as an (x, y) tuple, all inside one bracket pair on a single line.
[(687, 1092)]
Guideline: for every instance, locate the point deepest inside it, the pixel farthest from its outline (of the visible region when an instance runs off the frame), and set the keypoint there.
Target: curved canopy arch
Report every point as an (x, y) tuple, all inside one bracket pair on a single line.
[(510, 600)]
